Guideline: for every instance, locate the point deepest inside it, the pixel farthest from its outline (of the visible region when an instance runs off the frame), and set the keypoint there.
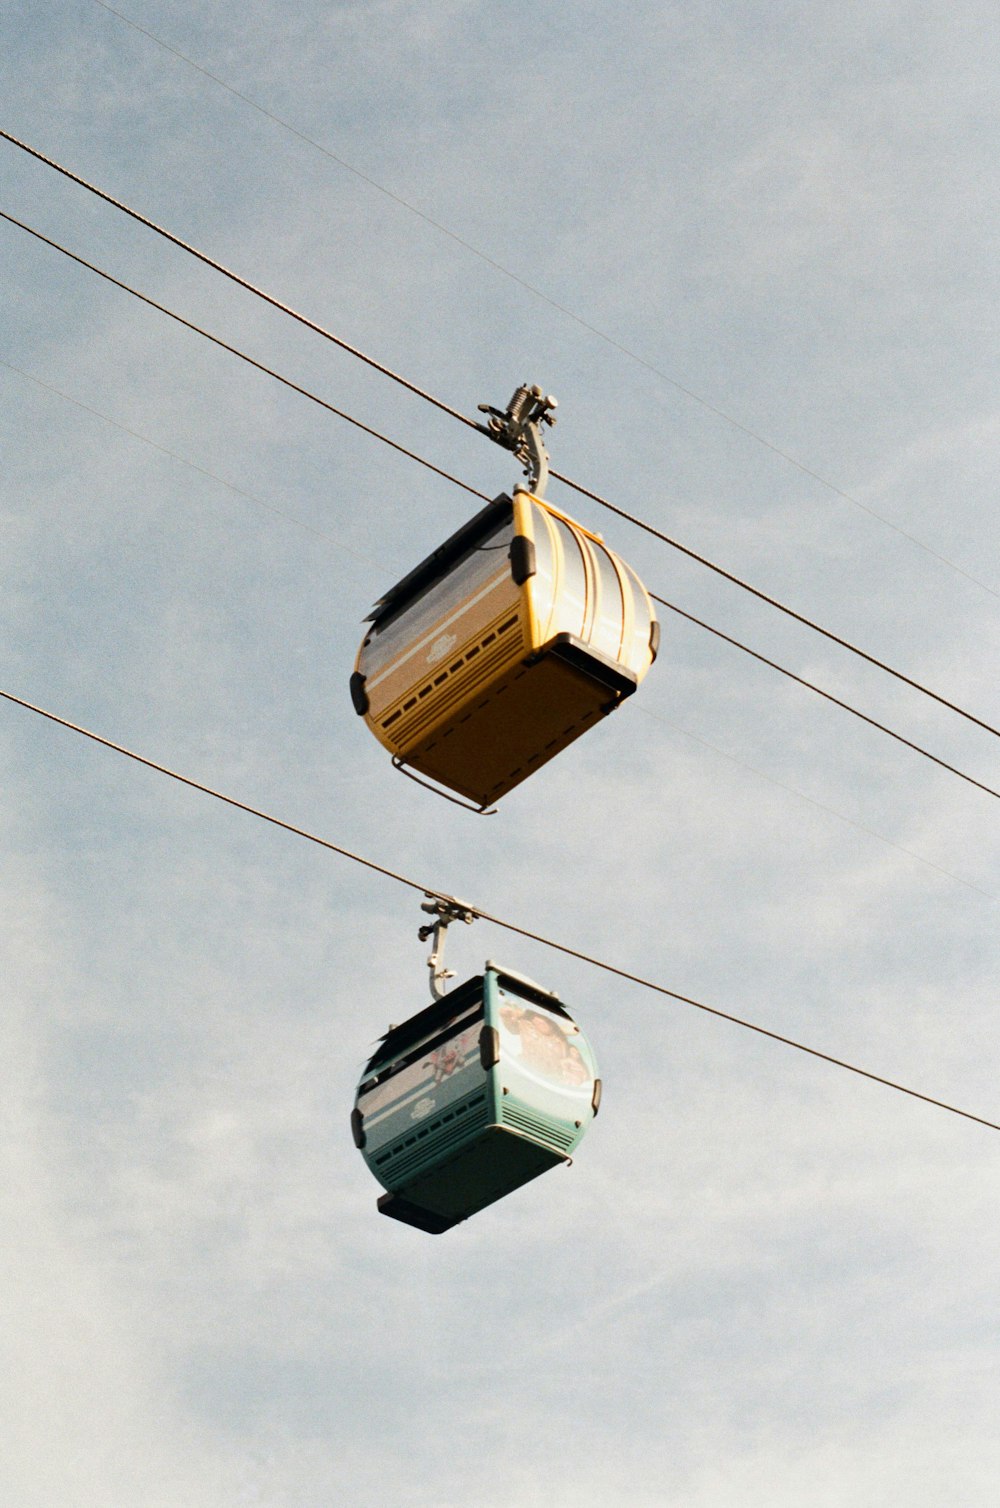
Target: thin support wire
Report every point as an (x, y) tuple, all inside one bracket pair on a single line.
[(686, 733), (498, 921), (235, 277), (827, 695), (456, 481), (578, 319), (412, 455), (250, 360), (470, 423), (782, 607)]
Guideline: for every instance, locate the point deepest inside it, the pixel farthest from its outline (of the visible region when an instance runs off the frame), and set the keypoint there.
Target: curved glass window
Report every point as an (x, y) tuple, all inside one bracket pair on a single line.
[(636, 653), (488, 563), (609, 622), (572, 605), (543, 585)]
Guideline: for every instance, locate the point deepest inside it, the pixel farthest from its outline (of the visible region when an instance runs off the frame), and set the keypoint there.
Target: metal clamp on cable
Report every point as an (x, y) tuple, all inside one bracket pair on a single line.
[(518, 428), (445, 910)]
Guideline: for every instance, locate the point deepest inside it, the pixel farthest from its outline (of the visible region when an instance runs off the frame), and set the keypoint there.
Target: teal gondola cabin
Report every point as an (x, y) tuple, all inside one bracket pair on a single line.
[(476, 1095)]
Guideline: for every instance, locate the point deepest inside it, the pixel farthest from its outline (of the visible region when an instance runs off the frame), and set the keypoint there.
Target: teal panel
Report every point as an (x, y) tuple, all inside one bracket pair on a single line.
[(447, 1137), (422, 1147), (397, 1107), (546, 1071), (494, 1165)]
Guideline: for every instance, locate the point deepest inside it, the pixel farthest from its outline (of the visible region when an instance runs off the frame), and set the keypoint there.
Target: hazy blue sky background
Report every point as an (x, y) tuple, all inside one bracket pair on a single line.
[(764, 1283)]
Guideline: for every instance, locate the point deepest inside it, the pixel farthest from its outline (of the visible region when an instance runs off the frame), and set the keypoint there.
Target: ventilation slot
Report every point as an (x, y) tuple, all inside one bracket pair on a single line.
[(430, 1142), (534, 1126), (452, 686)]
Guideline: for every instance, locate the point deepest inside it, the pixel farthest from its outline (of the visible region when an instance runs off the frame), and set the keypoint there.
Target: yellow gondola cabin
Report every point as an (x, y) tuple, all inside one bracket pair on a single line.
[(507, 643)]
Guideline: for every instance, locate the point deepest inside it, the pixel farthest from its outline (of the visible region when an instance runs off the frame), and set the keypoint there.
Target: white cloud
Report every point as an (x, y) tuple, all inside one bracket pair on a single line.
[(763, 1281)]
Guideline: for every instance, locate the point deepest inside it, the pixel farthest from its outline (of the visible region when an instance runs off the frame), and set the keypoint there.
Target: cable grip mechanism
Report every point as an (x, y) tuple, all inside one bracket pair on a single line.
[(519, 428), (445, 910)]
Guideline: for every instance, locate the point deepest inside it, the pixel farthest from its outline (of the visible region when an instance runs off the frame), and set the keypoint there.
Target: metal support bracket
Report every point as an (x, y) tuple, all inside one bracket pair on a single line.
[(467, 806), (519, 428), (445, 910)]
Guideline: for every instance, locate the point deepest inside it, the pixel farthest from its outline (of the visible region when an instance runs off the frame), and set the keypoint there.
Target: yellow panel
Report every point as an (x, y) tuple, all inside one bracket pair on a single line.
[(635, 654), (429, 667), (446, 692), (477, 692), (528, 520)]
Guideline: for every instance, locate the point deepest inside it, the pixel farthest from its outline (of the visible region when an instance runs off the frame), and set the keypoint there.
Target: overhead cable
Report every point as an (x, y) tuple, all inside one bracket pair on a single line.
[(789, 612), (412, 455), (470, 423), (827, 695), (644, 710), (250, 360), (290, 518), (235, 277), (498, 921), (339, 544), (585, 324)]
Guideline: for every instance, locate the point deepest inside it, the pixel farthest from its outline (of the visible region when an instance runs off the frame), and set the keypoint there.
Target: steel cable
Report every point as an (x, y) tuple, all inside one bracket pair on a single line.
[(789, 612), (339, 544), (498, 921), (827, 695), (602, 335), (412, 455), (471, 423), (250, 360)]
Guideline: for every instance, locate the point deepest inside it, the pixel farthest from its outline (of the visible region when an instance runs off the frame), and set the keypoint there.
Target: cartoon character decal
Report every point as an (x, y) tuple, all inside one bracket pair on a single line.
[(546, 1063), (445, 1059), (412, 1088)]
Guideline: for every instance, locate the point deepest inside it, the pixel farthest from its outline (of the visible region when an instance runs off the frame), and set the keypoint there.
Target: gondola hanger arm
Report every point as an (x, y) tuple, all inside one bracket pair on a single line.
[(445, 910), (519, 428)]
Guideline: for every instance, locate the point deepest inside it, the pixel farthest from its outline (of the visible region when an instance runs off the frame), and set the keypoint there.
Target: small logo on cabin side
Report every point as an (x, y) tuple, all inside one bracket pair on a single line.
[(421, 1108), (441, 647)]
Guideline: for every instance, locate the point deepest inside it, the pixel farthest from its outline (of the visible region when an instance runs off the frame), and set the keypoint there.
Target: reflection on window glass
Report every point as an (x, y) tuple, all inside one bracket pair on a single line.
[(638, 655), (606, 636), (489, 559), (572, 581)]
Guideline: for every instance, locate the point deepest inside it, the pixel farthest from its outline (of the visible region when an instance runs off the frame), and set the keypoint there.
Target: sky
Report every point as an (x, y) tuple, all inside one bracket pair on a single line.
[(752, 251)]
